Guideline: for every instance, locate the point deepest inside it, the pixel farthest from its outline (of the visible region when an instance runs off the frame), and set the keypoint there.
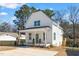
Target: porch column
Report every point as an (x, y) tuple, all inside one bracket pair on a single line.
[(45, 37), (34, 36), (19, 39), (26, 38)]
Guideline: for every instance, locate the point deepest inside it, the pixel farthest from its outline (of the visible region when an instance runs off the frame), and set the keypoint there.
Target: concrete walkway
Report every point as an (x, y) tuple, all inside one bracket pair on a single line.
[(28, 52)]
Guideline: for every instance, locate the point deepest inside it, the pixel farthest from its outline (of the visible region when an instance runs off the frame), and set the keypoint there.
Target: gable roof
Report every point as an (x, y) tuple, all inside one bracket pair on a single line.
[(53, 22)]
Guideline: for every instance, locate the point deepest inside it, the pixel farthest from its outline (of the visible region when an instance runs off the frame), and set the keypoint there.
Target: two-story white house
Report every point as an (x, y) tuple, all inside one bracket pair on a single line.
[(41, 30)]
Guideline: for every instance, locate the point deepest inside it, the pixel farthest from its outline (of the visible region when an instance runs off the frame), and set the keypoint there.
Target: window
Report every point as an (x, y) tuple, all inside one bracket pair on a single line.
[(30, 36), (43, 36), (37, 23), (54, 36)]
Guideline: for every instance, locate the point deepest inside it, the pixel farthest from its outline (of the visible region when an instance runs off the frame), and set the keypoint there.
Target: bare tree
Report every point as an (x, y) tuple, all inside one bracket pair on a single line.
[(6, 27), (69, 22), (73, 12), (59, 18), (59, 15)]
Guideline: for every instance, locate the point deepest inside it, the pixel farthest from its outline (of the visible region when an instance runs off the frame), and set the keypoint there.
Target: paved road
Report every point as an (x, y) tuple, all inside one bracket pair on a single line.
[(28, 52)]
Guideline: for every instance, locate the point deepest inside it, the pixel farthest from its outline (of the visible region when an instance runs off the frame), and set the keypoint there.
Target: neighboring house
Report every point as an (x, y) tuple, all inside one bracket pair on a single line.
[(7, 38), (41, 30)]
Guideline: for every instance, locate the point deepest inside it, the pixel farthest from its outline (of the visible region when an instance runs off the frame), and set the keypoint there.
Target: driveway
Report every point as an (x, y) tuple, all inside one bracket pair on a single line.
[(28, 51)]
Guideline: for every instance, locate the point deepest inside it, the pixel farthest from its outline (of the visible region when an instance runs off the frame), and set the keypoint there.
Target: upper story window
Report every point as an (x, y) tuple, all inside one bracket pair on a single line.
[(37, 23)]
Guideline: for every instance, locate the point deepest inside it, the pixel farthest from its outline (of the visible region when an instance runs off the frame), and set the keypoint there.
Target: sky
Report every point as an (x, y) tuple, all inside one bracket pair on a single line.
[(7, 10)]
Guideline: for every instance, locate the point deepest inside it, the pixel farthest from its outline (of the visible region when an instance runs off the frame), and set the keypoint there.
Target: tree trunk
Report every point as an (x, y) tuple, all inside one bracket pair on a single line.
[(74, 39)]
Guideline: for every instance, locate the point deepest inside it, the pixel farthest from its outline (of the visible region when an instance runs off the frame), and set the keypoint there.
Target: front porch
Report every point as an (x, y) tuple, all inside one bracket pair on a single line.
[(36, 36)]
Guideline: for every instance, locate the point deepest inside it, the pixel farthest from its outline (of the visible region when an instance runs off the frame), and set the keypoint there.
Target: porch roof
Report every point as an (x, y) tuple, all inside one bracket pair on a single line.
[(38, 27), (41, 28)]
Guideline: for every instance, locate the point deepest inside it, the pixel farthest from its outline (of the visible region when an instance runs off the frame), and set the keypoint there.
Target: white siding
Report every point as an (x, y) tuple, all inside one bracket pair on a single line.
[(59, 36), (49, 37), (44, 20)]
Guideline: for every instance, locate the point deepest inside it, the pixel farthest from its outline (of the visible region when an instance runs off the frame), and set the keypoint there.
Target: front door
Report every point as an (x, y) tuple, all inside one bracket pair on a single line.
[(37, 38)]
